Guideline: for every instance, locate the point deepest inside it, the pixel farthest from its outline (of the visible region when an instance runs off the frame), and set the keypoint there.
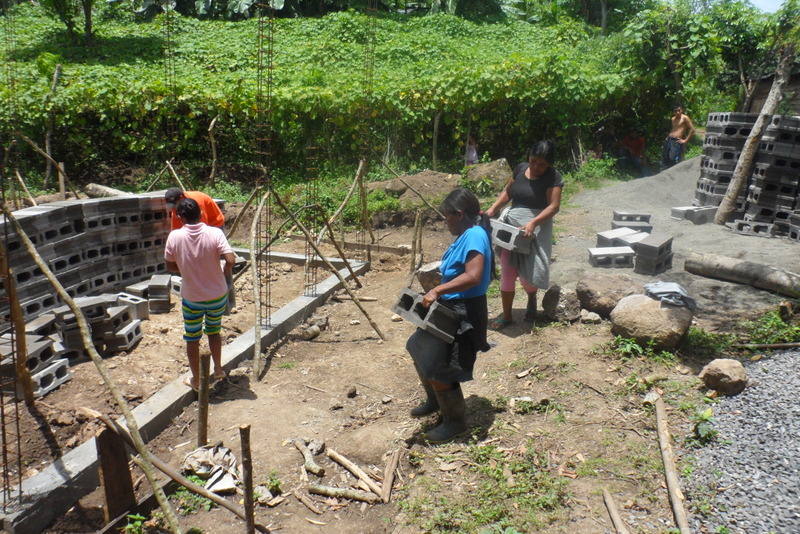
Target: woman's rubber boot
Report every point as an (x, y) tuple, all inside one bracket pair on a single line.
[(451, 403), (530, 311), (431, 404)]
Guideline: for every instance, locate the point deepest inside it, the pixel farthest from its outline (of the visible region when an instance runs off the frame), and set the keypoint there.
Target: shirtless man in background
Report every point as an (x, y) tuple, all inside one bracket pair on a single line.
[(681, 132)]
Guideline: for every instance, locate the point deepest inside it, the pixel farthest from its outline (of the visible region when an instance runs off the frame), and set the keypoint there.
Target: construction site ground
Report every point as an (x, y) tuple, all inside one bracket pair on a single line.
[(591, 432)]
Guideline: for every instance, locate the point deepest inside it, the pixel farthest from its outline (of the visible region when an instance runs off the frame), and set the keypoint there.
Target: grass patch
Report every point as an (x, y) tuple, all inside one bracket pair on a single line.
[(187, 502), (287, 365), (509, 492), (628, 348), (771, 328), (707, 345)]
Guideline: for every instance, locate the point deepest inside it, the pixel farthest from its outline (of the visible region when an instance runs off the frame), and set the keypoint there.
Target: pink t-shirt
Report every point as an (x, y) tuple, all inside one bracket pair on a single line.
[(197, 248)]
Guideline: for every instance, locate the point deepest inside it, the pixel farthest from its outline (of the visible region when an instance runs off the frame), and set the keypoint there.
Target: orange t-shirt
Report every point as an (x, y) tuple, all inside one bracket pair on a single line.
[(209, 211)]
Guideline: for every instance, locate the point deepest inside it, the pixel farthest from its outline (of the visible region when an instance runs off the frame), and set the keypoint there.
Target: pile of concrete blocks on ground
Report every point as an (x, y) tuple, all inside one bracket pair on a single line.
[(631, 243), (766, 205)]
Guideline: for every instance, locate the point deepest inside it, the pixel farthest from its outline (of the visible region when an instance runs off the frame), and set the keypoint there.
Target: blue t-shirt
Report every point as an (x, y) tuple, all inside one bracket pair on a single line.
[(473, 239)]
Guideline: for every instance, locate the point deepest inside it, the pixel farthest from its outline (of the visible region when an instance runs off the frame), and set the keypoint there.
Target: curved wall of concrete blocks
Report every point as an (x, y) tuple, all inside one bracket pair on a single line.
[(93, 246)]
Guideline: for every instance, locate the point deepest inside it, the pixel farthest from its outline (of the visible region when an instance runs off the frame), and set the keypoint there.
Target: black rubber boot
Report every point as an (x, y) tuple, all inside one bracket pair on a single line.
[(530, 312), (430, 404), (451, 402)]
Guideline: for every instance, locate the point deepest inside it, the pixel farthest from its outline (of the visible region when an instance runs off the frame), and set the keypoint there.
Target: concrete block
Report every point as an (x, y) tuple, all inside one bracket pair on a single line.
[(785, 123), (139, 289), (794, 218), (100, 222), (43, 325), (51, 377), (758, 213), (159, 305), (437, 319), (176, 283), (510, 237), (784, 150), (794, 233), (651, 266), (679, 212), (702, 215), (611, 257), (631, 216), (716, 118), (654, 246), (607, 237), (66, 262), (139, 306), (629, 240), (119, 317), (781, 228), (61, 351), (126, 338), (39, 350), (27, 275), (639, 226), (34, 306), (159, 286), (779, 163), (761, 229), (711, 186), (774, 187)]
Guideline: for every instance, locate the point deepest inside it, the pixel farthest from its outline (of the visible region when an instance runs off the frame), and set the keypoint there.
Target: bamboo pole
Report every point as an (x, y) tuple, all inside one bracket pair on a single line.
[(417, 219), (239, 217), (362, 195), (22, 371), (673, 486), (24, 187), (613, 512), (175, 175), (258, 366), (130, 420), (202, 401), (149, 187), (247, 475), (171, 472), (766, 346), (330, 267), (357, 471)]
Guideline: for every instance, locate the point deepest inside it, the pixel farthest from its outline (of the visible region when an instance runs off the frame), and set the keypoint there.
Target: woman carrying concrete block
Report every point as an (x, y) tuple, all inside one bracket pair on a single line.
[(535, 196), (467, 267)]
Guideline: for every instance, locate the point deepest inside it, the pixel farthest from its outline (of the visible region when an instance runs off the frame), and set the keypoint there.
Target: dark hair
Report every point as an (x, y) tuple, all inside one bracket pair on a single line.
[(544, 149), (462, 200), (188, 210), (173, 194), (678, 107)]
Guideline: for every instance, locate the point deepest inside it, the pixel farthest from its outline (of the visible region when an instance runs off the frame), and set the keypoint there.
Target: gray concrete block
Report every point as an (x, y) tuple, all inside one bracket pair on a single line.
[(611, 257), (139, 306), (119, 317), (139, 289), (607, 237), (34, 306), (679, 212), (651, 266), (159, 305), (51, 377), (510, 237), (654, 246), (758, 213), (43, 325), (126, 338), (630, 216), (794, 233), (761, 229), (159, 286), (436, 319), (639, 226), (176, 283), (702, 215), (629, 240)]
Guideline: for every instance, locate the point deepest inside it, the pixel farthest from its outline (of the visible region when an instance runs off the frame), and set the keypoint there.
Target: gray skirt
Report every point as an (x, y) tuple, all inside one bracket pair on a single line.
[(533, 267), (436, 359)]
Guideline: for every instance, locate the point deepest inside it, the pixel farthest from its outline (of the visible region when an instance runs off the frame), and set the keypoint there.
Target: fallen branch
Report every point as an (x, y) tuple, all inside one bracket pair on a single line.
[(307, 502), (675, 495), (343, 493), (616, 519), (149, 187), (362, 169), (327, 263), (175, 175), (388, 476), (766, 346), (348, 297), (170, 471), (130, 420), (425, 200), (315, 388), (353, 468), (744, 272), (310, 465), (258, 366)]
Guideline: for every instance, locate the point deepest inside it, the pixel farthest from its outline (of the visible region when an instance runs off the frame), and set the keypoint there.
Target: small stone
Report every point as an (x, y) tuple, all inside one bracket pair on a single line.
[(62, 419), (682, 369), (355, 322), (588, 317), (165, 330), (724, 375), (756, 357), (396, 318), (386, 399), (352, 392), (262, 494), (336, 405), (319, 320), (310, 333)]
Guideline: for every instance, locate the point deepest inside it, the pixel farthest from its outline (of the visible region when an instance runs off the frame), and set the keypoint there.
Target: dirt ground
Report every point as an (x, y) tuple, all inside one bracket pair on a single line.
[(589, 430)]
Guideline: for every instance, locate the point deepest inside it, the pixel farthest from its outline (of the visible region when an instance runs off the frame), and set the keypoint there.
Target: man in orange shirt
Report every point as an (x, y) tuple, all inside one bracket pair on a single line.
[(210, 213)]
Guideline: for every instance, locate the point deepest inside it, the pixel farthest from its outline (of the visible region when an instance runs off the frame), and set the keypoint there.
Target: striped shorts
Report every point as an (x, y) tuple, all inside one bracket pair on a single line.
[(194, 314)]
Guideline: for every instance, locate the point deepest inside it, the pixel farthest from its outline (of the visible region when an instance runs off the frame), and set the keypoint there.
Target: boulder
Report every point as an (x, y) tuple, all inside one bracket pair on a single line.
[(599, 293), (498, 172), (429, 275), (560, 304), (645, 319), (724, 375)]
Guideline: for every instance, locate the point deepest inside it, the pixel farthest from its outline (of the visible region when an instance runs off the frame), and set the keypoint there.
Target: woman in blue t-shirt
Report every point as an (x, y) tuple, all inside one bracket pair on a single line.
[(467, 268)]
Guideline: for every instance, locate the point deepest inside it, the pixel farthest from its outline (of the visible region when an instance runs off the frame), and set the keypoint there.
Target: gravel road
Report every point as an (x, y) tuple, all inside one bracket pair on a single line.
[(754, 465)]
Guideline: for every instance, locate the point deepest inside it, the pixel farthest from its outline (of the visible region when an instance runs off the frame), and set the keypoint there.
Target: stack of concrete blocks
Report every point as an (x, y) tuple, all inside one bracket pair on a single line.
[(45, 361), (794, 226), (436, 319), (653, 254), (91, 245), (159, 293), (765, 206), (616, 247)]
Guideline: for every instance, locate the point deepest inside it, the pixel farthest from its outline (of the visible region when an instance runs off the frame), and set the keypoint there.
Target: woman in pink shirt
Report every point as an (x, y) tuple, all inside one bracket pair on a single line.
[(193, 251)]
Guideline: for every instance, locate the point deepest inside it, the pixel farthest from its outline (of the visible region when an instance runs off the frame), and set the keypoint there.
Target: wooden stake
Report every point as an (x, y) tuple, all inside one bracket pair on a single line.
[(388, 476), (44, 154), (149, 187), (343, 493), (175, 175), (24, 187), (213, 142), (353, 468), (169, 471), (61, 184), (83, 325), (247, 474), (115, 474), (202, 401), (330, 267), (413, 264), (23, 373), (339, 250), (360, 172), (239, 217), (365, 222), (258, 362), (307, 502), (613, 512), (673, 486)]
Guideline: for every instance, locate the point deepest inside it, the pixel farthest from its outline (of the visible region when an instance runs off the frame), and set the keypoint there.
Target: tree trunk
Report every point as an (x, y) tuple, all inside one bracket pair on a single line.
[(88, 32), (50, 124), (603, 16), (744, 272), (745, 164)]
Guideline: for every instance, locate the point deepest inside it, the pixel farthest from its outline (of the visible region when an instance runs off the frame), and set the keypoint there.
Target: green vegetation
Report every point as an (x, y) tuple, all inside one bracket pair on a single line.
[(187, 502), (287, 365), (771, 328), (135, 524), (704, 431), (629, 348), (707, 345), (511, 493)]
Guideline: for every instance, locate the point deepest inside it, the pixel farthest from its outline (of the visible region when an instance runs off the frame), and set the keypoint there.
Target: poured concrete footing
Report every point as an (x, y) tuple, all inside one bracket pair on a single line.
[(55, 489)]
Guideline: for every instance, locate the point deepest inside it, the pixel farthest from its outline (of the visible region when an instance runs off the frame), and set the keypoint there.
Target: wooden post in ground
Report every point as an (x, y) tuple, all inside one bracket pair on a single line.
[(202, 401), (413, 265), (247, 474), (115, 474), (23, 373), (61, 182)]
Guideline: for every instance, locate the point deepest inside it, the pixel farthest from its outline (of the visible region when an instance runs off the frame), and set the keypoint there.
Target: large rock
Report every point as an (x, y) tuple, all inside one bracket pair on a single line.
[(434, 186), (560, 304), (497, 172), (645, 319), (599, 293), (429, 275), (724, 375)]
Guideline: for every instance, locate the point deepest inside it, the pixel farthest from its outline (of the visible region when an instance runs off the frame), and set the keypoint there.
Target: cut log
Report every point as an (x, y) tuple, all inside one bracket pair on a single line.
[(310, 465), (102, 191), (744, 272), (343, 493)]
